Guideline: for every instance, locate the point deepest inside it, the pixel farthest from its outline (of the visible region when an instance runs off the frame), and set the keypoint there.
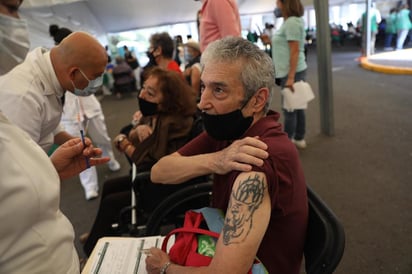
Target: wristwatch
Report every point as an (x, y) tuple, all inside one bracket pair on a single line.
[(120, 140)]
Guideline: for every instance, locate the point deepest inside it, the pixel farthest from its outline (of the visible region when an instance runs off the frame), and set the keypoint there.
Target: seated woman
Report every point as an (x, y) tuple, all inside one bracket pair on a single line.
[(167, 106), (123, 76), (193, 69)]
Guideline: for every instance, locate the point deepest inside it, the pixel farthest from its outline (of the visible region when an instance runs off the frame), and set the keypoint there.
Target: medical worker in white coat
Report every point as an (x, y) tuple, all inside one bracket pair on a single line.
[(87, 113), (35, 236), (32, 92)]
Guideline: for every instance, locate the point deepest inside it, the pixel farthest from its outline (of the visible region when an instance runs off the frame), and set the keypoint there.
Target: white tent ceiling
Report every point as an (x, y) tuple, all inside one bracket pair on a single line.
[(103, 16)]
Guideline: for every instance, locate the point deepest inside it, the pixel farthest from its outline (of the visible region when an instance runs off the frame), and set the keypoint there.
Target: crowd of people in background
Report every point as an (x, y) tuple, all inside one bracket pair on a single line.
[(230, 90), (390, 32)]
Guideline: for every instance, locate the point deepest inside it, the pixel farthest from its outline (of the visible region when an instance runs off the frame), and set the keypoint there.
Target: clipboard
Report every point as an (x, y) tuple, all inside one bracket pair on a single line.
[(125, 255)]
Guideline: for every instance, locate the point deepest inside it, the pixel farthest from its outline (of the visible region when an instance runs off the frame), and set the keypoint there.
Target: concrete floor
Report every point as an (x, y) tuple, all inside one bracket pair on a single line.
[(363, 172)]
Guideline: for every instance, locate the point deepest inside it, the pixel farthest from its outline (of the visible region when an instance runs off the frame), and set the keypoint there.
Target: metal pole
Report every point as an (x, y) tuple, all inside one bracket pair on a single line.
[(368, 27), (323, 45)]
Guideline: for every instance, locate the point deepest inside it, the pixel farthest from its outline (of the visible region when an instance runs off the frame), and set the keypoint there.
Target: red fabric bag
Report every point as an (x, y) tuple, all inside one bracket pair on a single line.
[(184, 250)]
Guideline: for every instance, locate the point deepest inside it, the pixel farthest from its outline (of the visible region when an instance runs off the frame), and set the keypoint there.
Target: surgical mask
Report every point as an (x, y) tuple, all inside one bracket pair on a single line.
[(229, 126), (147, 108), (278, 13), (14, 42), (91, 88), (188, 56)]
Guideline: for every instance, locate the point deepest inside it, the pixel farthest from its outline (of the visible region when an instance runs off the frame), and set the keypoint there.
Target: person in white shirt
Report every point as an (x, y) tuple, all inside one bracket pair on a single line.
[(91, 118), (14, 37), (35, 236), (32, 92), (86, 112)]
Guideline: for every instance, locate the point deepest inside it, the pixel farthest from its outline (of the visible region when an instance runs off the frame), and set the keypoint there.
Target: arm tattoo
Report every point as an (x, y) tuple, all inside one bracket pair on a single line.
[(243, 203)]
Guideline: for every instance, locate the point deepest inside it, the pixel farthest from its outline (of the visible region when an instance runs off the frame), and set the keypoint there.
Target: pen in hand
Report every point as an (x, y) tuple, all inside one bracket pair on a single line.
[(82, 133), (84, 143)]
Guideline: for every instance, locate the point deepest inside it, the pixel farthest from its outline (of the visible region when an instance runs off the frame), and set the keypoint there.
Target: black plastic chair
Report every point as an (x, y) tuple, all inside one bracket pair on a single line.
[(325, 239), (172, 209), (168, 212)]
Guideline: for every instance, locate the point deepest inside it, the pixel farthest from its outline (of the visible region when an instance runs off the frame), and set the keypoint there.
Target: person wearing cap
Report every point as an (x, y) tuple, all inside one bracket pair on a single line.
[(192, 69)]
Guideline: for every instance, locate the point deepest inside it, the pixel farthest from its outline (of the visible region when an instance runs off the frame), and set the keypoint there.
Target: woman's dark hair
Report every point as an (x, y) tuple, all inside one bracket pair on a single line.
[(164, 41), (178, 96), (53, 29), (58, 34)]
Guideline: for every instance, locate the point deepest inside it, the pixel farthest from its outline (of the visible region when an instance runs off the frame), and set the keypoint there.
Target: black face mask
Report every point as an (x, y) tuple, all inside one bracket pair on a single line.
[(152, 59), (147, 108), (229, 126)]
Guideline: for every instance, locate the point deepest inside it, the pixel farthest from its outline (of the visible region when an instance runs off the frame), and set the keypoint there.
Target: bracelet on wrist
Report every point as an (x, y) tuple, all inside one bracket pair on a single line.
[(165, 267), (120, 139), (127, 147)]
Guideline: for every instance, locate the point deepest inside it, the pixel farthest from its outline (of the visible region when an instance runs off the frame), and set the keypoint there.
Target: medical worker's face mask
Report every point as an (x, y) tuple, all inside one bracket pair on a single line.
[(91, 88), (14, 42)]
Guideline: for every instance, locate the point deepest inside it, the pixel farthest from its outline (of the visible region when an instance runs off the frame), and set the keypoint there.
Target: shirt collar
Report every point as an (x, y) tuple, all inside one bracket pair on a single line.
[(44, 65), (53, 77)]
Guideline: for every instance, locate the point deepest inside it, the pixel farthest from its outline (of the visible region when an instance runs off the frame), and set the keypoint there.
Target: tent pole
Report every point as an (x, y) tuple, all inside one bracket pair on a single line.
[(323, 45)]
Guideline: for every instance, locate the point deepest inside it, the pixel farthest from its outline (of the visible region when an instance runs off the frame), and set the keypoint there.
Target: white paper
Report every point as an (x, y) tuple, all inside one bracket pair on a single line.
[(121, 255), (299, 98)]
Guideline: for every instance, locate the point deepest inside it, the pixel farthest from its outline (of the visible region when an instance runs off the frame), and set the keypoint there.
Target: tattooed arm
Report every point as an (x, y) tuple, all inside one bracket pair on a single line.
[(247, 219)]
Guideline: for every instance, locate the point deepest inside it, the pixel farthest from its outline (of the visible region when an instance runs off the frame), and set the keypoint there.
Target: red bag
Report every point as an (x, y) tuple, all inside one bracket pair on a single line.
[(184, 250)]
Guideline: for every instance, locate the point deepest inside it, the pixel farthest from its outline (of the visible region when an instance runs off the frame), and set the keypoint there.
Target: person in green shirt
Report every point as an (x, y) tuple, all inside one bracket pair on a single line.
[(403, 25), (290, 66), (390, 29), (375, 19)]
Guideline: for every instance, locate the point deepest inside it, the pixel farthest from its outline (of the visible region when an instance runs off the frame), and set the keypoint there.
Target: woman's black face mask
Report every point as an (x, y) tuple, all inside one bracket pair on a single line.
[(229, 126), (147, 108), (152, 58)]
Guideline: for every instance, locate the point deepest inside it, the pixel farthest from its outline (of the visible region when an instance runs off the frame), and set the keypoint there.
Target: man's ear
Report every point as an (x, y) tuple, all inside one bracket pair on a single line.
[(72, 72), (261, 97)]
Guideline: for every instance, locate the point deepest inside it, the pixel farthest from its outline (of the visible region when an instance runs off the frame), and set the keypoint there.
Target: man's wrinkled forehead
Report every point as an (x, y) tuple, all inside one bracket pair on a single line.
[(220, 71)]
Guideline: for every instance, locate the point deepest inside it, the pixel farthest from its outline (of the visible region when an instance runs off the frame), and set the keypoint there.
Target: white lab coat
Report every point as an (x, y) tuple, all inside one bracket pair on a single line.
[(92, 120), (35, 236), (30, 97)]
